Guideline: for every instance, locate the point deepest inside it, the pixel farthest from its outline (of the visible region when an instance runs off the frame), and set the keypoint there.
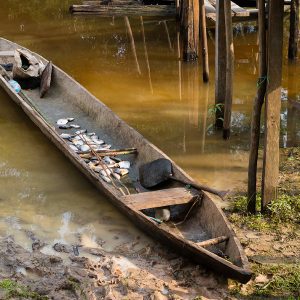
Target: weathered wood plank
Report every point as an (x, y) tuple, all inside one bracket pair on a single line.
[(121, 10), (158, 198)]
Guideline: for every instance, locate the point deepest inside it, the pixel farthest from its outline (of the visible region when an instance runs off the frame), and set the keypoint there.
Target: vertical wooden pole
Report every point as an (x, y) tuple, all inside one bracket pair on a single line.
[(196, 21), (190, 29), (177, 3), (204, 116), (257, 106), (273, 103), (229, 70), (291, 109), (204, 48), (220, 62), (294, 30), (132, 43), (179, 66)]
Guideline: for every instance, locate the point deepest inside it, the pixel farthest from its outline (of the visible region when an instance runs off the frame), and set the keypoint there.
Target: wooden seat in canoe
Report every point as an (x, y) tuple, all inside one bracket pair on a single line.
[(160, 198)]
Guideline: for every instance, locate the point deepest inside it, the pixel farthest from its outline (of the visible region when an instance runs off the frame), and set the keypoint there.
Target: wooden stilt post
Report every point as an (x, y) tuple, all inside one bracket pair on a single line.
[(291, 109), (204, 48), (273, 103), (132, 43), (190, 30), (229, 70), (294, 30), (220, 63), (258, 102)]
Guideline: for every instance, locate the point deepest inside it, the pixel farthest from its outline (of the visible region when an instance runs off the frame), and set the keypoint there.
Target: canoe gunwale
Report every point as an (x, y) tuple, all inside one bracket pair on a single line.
[(187, 248)]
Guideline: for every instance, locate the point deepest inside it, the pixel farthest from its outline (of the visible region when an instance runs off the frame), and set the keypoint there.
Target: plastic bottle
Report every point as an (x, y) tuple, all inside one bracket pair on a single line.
[(16, 87)]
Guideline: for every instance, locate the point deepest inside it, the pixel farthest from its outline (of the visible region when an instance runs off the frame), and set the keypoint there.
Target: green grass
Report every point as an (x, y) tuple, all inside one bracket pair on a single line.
[(15, 290), (284, 282), (286, 209)]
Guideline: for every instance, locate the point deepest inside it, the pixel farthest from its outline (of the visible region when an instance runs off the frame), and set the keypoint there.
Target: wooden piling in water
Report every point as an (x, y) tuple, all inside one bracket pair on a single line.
[(190, 29), (204, 48), (229, 70), (294, 30), (220, 63), (258, 102), (273, 103)]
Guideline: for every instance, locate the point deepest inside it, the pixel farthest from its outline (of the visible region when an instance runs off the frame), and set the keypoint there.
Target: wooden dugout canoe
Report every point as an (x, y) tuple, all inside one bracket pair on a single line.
[(206, 224)]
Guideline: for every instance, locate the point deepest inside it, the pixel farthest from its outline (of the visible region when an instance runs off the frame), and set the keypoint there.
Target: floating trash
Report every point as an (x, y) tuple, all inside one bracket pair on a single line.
[(75, 126), (85, 148), (121, 172), (105, 172), (61, 122), (124, 164), (65, 136), (81, 131), (117, 176), (74, 148), (106, 179), (111, 167), (64, 126)]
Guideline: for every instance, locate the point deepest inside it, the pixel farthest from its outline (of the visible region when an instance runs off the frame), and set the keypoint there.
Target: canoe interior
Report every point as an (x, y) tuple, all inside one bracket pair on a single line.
[(66, 98)]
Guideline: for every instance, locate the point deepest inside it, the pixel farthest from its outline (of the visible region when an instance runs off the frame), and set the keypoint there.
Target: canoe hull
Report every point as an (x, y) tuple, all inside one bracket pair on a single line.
[(148, 152)]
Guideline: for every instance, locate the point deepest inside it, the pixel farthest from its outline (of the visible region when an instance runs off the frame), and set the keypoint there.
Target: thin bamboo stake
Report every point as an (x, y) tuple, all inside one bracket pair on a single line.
[(204, 47), (168, 35), (132, 44), (146, 55), (179, 66), (258, 103), (204, 117)]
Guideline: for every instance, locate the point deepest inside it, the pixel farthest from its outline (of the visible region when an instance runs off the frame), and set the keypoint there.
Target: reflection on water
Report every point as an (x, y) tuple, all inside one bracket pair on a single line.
[(167, 102)]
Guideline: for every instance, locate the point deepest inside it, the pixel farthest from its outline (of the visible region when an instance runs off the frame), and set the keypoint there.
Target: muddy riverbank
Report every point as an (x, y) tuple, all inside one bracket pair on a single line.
[(153, 271)]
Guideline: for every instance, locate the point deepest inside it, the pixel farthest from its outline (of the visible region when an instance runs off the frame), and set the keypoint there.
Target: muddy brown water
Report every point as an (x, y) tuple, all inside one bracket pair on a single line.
[(40, 191)]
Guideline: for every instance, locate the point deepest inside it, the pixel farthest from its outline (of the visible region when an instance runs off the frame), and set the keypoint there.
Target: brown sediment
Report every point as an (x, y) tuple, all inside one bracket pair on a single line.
[(150, 273)]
